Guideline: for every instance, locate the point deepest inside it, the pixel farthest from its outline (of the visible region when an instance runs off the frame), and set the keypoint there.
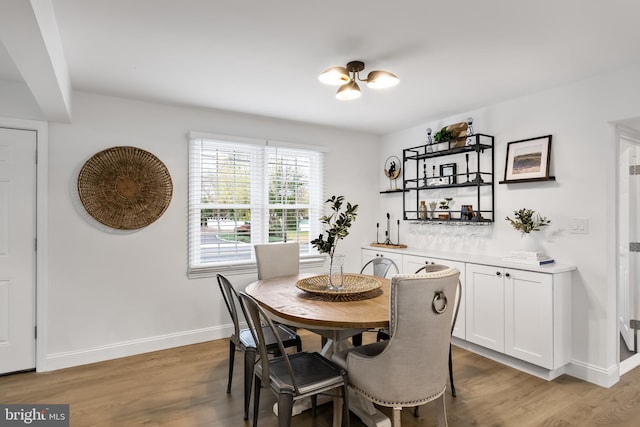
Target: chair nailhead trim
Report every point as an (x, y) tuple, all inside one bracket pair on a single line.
[(395, 404)]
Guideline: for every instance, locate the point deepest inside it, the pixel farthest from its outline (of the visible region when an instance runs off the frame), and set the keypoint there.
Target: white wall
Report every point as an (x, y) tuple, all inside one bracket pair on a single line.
[(578, 117), (16, 101), (112, 295), (115, 294)]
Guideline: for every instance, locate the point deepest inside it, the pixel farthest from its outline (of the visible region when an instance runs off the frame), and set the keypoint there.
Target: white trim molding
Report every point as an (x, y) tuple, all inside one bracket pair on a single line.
[(42, 227), (101, 353)]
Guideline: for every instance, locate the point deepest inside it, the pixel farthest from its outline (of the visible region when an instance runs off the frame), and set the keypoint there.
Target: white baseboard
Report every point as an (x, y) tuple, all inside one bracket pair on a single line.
[(629, 363), (583, 371), (594, 374), (129, 348), (512, 362)]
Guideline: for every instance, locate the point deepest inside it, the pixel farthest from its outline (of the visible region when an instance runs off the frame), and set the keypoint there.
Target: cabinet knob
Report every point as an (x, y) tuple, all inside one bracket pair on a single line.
[(498, 274), (507, 275)]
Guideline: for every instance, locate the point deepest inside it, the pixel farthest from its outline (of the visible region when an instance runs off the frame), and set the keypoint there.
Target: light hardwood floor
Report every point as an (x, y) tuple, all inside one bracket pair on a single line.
[(186, 386)]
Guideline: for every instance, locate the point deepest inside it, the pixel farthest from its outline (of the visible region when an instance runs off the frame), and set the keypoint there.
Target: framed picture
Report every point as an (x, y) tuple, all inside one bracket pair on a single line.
[(467, 213), (448, 173), (528, 159)]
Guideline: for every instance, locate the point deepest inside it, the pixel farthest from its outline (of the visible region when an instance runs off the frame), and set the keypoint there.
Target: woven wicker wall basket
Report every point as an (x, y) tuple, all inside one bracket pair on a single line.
[(125, 188)]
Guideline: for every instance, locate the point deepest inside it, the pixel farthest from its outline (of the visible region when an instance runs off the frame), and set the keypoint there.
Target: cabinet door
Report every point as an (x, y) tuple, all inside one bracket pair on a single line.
[(369, 254), (411, 263), (529, 316), (485, 306)]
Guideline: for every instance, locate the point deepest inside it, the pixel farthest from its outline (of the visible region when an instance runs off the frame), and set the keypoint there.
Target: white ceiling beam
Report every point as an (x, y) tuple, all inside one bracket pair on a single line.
[(29, 33)]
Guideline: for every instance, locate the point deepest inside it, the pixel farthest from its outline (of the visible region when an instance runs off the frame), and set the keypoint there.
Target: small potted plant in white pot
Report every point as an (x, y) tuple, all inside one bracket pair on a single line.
[(527, 221), (338, 224)]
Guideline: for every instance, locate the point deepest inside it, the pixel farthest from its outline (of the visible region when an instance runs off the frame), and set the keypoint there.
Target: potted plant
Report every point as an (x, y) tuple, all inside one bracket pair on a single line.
[(443, 135), (527, 220), (338, 224), (444, 206)]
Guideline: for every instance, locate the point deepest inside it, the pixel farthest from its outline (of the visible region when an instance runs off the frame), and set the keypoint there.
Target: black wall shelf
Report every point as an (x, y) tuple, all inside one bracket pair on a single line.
[(417, 185), (518, 181)]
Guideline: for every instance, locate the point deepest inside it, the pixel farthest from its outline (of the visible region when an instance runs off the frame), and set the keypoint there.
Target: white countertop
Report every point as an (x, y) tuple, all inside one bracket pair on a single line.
[(476, 259)]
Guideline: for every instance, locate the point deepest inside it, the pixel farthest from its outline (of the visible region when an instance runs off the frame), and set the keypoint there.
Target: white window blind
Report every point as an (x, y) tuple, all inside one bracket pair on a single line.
[(246, 192)]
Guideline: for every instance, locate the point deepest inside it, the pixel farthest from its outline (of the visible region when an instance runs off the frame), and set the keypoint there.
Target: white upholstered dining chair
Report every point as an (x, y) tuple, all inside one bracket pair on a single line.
[(411, 367), (383, 334), (277, 259)]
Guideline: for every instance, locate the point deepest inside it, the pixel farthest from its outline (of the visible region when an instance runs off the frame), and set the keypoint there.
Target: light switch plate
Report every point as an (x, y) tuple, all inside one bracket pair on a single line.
[(579, 225)]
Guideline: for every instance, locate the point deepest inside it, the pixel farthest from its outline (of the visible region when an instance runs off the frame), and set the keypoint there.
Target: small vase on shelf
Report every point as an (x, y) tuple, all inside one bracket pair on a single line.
[(432, 208), (423, 210)]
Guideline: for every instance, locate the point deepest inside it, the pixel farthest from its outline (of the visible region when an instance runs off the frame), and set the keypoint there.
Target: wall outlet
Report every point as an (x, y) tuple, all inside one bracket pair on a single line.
[(579, 225)]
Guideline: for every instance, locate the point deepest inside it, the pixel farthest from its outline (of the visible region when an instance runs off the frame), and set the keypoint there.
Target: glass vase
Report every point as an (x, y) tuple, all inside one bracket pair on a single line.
[(336, 277)]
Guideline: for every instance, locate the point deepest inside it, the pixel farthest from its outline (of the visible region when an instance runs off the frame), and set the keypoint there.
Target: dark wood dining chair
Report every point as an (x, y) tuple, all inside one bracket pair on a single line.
[(293, 376), (242, 339)]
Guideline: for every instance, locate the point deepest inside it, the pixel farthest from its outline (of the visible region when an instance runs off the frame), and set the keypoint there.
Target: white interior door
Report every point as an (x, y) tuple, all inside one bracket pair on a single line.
[(628, 234), (17, 249), (626, 291)]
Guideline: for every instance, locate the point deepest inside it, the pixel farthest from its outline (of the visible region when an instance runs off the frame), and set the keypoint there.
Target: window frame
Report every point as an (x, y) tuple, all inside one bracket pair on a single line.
[(310, 260)]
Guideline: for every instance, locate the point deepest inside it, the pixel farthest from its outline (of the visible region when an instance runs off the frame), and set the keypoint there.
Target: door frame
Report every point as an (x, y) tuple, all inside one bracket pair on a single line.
[(42, 146), (633, 361)]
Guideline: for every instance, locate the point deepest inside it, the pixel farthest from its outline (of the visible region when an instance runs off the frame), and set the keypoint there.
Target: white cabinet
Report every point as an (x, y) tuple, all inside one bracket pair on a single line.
[(369, 254), (520, 312), (528, 330), (485, 306), (524, 314), (411, 264)]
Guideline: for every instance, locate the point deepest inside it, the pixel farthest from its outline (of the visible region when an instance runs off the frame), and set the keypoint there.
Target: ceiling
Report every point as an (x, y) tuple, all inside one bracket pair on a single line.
[(263, 57)]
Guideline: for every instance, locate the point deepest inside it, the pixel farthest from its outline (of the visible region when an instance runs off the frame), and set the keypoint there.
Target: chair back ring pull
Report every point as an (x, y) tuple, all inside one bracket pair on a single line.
[(439, 295)]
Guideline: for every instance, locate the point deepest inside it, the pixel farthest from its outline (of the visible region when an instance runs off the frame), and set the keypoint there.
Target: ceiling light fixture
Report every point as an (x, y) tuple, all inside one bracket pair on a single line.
[(348, 76)]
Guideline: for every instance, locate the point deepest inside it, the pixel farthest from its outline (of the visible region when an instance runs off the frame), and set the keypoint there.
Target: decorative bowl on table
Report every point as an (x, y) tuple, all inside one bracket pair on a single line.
[(351, 284)]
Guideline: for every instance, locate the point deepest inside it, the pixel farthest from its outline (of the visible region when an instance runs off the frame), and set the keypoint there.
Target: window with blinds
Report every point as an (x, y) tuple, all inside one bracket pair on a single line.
[(243, 192)]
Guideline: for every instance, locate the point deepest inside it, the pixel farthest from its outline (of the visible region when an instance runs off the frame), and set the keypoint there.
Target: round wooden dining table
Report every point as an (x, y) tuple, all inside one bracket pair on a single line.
[(293, 306), (333, 316)]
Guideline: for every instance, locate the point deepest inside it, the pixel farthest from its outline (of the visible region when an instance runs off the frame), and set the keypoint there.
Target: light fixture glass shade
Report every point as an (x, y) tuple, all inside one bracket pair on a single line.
[(381, 79), (334, 76), (348, 92)]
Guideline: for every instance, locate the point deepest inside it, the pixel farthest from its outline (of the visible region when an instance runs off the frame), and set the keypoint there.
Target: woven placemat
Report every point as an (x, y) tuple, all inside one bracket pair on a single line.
[(125, 188)]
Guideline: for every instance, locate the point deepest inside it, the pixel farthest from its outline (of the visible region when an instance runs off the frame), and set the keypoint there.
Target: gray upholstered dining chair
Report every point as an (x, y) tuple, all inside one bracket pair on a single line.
[(277, 259), (383, 334), (293, 376), (242, 339), (410, 368)]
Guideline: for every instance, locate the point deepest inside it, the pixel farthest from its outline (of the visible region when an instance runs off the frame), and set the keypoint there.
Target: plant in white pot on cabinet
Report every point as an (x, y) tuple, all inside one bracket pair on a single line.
[(527, 221), (337, 228)]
